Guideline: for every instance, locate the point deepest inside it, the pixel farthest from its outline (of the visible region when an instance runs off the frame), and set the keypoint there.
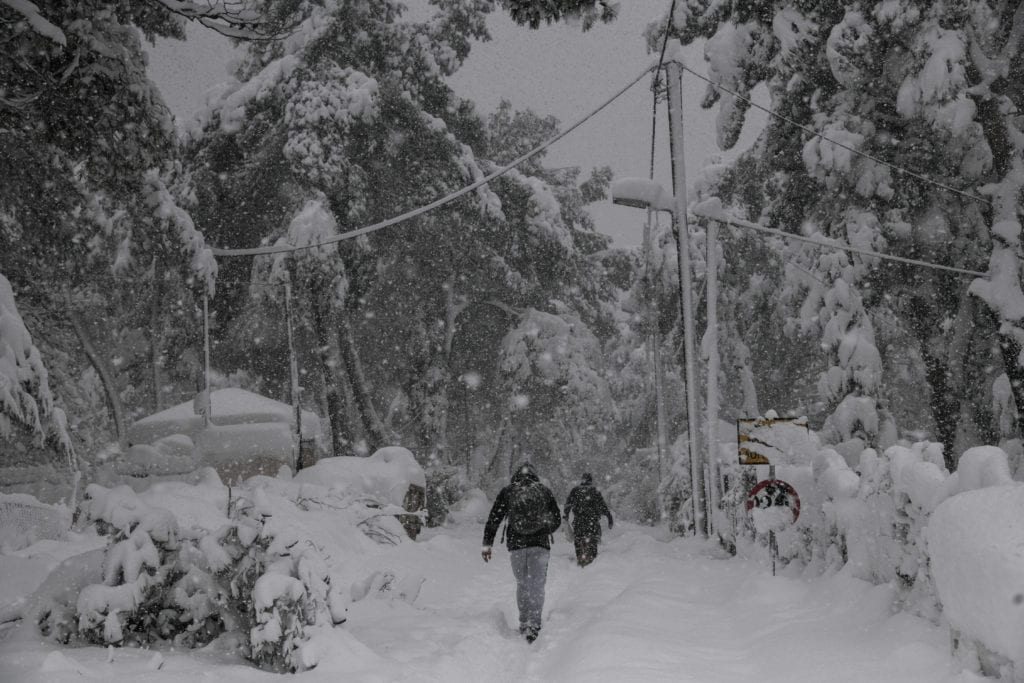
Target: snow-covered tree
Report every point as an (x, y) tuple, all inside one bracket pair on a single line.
[(25, 396), (352, 108), (86, 195), (533, 12), (552, 367), (920, 85), (353, 114)]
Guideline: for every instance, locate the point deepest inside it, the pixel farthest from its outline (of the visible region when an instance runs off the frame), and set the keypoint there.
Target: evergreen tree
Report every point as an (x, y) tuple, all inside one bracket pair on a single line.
[(907, 84), (90, 148)]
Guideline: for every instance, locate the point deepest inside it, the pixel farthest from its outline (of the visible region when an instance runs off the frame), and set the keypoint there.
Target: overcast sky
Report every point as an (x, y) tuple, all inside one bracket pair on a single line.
[(556, 70)]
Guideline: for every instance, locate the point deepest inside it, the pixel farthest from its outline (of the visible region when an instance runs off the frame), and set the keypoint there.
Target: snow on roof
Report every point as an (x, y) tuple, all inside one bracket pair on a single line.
[(229, 406)]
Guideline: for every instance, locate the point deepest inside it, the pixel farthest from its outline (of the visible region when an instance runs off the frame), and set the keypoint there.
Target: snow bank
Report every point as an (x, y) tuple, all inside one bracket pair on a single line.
[(952, 544), (976, 545), (386, 475), (143, 460)]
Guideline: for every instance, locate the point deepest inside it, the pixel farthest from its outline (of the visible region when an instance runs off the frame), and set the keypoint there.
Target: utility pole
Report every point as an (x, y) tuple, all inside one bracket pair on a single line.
[(293, 364), (207, 400), (654, 342), (674, 80), (713, 363)]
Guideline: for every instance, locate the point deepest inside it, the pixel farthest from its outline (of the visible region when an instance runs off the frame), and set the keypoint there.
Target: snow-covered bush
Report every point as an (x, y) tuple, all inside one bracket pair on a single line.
[(974, 541), (389, 481), (949, 541), (675, 493), (252, 577), (446, 485)]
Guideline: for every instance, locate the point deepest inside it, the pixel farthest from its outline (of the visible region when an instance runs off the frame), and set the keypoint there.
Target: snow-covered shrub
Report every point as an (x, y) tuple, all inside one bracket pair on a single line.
[(675, 493), (389, 481), (896, 494), (446, 485), (252, 577), (974, 542), (732, 523)]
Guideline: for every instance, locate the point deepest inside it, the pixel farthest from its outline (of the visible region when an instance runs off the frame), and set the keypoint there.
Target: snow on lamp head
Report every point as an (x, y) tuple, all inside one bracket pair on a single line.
[(641, 193)]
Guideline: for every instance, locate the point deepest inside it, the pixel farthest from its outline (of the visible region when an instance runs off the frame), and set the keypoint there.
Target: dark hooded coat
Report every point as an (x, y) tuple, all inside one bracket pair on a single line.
[(525, 475), (587, 506)]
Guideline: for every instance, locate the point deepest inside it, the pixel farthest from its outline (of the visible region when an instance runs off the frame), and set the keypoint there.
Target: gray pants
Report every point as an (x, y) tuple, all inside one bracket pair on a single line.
[(530, 567)]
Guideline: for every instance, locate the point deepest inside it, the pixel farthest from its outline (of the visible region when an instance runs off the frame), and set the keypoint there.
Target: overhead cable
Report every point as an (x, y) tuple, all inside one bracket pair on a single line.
[(281, 248), (854, 150), (747, 225)]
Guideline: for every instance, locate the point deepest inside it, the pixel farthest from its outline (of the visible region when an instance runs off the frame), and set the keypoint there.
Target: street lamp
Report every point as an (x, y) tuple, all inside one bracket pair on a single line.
[(647, 194)]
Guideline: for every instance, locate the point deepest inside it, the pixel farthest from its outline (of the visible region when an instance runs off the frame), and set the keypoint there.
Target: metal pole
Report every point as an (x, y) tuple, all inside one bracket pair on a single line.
[(675, 121), (773, 546), (208, 401), (651, 323), (294, 365), (712, 345)]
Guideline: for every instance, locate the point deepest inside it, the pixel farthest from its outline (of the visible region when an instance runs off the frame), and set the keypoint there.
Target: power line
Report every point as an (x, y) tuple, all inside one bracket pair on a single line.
[(740, 223), (818, 134), (657, 76), (149, 281), (281, 248)]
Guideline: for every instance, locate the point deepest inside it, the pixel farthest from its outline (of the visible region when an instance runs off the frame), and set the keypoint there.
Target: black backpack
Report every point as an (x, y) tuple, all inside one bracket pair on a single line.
[(528, 512)]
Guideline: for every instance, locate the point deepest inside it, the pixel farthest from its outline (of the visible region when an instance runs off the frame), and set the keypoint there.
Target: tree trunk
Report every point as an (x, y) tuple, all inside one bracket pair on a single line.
[(938, 357), (327, 351), (451, 313), (101, 366), (374, 426), (1010, 349), (155, 337)]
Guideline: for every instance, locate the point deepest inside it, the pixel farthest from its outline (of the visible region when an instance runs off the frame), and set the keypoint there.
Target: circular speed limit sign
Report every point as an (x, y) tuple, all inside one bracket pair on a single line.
[(774, 493)]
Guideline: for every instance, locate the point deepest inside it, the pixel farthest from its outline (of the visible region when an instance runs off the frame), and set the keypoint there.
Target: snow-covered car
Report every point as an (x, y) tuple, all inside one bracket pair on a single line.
[(248, 434)]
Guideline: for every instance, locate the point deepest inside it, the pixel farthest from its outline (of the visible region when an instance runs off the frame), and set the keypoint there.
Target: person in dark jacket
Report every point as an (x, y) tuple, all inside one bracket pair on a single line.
[(587, 505), (533, 515)]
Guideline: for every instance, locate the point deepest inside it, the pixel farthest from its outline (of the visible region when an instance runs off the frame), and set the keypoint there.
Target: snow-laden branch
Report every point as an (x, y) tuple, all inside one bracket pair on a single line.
[(39, 24), (25, 394), (239, 19), (166, 209)]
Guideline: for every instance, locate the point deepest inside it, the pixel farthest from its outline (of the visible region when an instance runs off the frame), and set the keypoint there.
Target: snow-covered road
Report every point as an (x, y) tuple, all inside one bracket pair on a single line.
[(646, 610)]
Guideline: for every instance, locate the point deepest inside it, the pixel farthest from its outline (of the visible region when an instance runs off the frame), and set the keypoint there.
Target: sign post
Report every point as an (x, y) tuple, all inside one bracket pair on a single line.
[(773, 502)]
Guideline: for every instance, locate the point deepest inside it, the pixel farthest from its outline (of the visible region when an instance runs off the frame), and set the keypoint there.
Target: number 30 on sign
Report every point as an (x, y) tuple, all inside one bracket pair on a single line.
[(774, 493)]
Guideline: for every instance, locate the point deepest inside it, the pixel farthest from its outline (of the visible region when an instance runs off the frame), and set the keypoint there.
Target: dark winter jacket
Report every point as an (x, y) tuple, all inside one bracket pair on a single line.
[(525, 475), (588, 506)]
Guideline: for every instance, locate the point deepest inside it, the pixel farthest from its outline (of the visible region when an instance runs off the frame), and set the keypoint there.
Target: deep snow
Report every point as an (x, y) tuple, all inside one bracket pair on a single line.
[(646, 610)]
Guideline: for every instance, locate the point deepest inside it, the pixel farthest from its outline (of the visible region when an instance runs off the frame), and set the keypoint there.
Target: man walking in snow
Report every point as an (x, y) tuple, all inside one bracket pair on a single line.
[(587, 505), (533, 515)]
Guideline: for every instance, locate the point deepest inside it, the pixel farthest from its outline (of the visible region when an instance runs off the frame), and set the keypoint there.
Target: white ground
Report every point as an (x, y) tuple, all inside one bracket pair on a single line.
[(646, 610)]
